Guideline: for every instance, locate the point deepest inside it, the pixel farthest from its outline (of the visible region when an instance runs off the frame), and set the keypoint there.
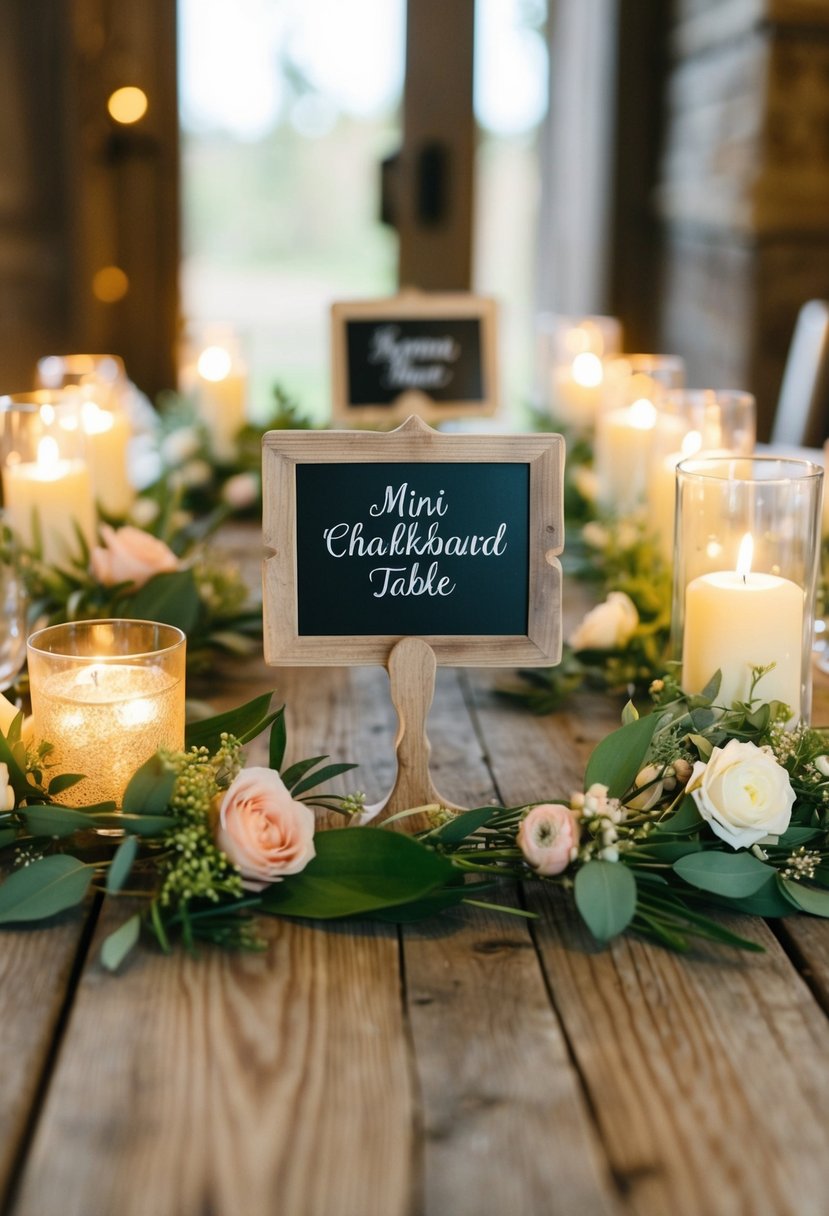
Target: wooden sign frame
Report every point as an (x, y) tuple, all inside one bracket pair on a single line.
[(414, 306), (414, 441)]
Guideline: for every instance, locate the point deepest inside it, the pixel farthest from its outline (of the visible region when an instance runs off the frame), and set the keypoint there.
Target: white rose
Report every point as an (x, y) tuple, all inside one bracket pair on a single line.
[(608, 625), (743, 793)]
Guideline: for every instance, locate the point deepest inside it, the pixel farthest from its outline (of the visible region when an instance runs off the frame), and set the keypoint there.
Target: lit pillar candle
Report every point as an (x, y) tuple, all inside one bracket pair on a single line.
[(105, 705), (577, 389), (58, 493), (662, 493), (623, 444), (737, 620), (107, 442), (221, 391)]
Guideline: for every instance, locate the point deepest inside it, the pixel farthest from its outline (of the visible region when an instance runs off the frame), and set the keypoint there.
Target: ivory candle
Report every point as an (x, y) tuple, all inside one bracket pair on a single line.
[(737, 620), (107, 441), (623, 444), (221, 391), (56, 491), (577, 389)]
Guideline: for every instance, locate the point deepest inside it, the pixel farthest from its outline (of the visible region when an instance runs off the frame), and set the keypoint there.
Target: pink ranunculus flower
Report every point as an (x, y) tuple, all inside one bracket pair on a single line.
[(130, 555), (263, 830), (547, 837)]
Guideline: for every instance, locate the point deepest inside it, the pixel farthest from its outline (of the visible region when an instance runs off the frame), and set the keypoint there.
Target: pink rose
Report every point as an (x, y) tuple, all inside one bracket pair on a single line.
[(263, 830), (547, 837), (130, 556)]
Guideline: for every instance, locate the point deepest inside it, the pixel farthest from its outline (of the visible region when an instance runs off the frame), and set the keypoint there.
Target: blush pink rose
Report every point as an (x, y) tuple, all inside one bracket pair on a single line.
[(130, 555), (263, 830), (547, 837)]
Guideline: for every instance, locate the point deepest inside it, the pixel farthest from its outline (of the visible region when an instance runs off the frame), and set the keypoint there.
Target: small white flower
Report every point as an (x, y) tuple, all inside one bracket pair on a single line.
[(144, 512), (822, 765), (610, 853), (608, 626), (595, 535), (241, 490), (195, 473)]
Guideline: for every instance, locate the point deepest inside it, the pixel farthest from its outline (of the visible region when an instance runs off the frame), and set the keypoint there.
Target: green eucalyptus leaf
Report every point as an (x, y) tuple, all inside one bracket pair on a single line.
[(121, 864), (704, 746), (358, 870), (150, 788), (17, 777), (735, 875), (795, 836), (172, 598), (430, 905), (7, 837), (327, 773), (55, 820), (618, 758), (669, 850), (460, 826), (237, 722), (605, 893), (63, 781), (297, 771), (43, 888), (712, 688), (277, 741), (119, 943), (814, 900), (685, 819)]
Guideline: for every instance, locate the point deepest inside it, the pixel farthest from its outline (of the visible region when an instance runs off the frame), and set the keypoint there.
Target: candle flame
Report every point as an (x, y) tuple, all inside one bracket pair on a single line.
[(214, 363), (48, 455), (643, 414), (691, 443), (96, 420), (745, 555), (47, 414), (587, 370)]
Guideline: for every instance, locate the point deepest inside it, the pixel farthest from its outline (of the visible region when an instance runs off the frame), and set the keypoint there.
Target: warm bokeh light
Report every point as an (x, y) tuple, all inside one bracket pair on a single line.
[(587, 370), (214, 363), (643, 414), (110, 284), (127, 105)]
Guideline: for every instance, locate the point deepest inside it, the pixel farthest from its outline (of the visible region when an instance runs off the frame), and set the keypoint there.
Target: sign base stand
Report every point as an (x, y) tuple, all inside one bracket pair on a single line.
[(411, 667)]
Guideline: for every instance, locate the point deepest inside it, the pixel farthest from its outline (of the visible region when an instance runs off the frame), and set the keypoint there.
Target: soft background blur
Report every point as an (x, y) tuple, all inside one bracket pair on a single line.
[(663, 160)]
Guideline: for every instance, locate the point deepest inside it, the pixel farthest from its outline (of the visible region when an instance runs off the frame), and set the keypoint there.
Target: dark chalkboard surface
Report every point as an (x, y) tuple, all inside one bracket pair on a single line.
[(412, 548), (438, 356), (433, 354)]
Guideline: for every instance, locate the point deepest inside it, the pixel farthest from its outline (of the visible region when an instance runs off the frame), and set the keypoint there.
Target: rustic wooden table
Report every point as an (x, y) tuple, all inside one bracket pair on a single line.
[(473, 1064)]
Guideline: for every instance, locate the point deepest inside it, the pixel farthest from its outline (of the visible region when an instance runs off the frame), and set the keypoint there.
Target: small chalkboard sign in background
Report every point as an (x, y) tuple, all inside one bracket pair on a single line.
[(412, 548), (433, 355)]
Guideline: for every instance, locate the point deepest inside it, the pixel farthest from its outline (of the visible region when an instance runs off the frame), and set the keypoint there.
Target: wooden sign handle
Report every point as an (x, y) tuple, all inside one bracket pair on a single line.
[(411, 667)]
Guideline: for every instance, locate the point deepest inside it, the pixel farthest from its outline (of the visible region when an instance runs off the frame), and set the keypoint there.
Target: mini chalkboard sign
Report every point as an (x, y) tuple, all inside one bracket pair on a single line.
[(433, 355), (412, 548)]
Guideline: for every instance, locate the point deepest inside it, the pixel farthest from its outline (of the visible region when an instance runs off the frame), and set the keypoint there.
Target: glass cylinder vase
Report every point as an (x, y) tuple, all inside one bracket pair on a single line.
[(745, 573)]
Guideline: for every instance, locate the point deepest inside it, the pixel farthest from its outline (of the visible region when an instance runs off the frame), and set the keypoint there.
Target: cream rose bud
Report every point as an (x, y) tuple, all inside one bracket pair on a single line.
[(130, 555), (547, 836), (608, 625), (6, 791), (743, 793), (263, 830), (241, 491)]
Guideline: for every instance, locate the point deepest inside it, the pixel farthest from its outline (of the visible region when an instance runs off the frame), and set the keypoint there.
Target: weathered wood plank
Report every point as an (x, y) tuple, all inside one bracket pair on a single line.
[(35, 970), (707, 1074), (268, 1083)]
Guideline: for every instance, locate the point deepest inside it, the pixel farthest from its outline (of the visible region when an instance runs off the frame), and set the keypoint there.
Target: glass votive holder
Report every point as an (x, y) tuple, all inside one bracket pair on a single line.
[(99, 385), (571, 351), (693, 422), (47, 486), (107, 695), (633, 394), (745, 573)]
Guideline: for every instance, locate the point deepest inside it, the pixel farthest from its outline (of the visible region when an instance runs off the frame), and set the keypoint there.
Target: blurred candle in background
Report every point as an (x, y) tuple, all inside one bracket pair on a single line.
[(220, 390), (571, 351)]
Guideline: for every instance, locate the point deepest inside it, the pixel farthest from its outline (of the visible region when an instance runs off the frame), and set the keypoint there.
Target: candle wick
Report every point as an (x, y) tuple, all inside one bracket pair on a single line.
[(94, 677)]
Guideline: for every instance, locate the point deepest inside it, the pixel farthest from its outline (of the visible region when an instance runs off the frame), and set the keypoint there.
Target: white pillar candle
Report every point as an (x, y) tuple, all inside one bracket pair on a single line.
[(623, 444), (737, 620), (59, 493), (221, 393), (577, 389), (107, 442)]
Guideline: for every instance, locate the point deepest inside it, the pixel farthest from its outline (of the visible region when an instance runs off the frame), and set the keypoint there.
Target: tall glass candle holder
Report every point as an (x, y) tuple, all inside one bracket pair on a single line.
[(633, 394), (571, 351), (107, 695), (99, 384), (47, 486), (745, 573), (693, 422)]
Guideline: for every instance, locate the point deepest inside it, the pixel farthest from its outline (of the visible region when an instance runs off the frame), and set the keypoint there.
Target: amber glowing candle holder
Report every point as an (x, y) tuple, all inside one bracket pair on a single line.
[(107, 695)]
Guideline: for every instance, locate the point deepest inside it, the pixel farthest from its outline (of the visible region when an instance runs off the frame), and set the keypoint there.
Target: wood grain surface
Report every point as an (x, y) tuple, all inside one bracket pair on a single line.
[(476, 1065)]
